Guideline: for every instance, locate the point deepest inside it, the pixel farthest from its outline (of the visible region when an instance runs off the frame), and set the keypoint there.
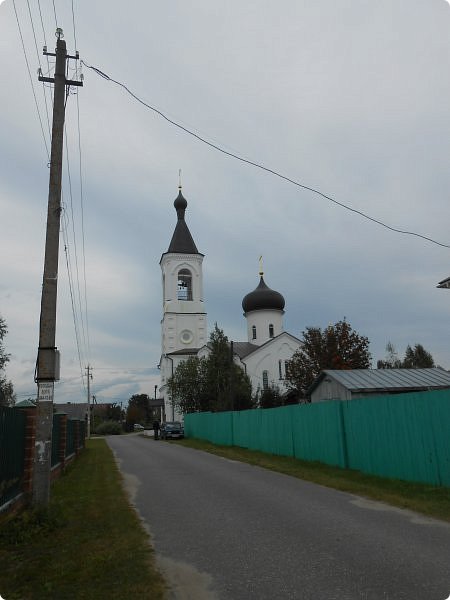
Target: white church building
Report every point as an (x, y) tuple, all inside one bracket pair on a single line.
[(184, 331)]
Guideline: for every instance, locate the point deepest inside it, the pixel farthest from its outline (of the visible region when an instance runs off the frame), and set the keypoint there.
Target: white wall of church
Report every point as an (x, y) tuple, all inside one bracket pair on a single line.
[(167, 367), (261, 321), (183, 331), (271, 358)]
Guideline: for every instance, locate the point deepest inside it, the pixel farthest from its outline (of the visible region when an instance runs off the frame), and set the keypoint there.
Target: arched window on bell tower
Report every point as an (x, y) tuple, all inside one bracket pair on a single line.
[(254, 332), (184, 285)]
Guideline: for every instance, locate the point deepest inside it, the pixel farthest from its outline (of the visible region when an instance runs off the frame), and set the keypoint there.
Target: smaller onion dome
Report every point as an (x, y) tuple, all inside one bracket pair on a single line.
[(180, 204), (263, 298)]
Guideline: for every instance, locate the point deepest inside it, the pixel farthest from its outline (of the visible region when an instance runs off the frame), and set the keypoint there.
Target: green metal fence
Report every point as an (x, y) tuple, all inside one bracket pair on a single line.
[(82, 433), (56, 438), (404, 436), (70, 437), (12, 435)]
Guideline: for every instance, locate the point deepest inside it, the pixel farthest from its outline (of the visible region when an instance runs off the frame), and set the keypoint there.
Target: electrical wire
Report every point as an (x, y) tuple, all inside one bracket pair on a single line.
[(40, 67), (72, 219), (73, 22), (260, 166), (65, 219), (85, 320), (125, 369), (69, 273), (42, 21), (83, 237), (31, 80), (54, 12), (46, 56)]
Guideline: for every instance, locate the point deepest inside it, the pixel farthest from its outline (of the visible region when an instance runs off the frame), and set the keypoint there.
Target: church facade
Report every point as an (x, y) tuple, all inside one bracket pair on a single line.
[(184, 331)]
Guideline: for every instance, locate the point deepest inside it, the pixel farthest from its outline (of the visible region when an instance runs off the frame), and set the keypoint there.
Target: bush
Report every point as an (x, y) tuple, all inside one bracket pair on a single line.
[(109, 428)]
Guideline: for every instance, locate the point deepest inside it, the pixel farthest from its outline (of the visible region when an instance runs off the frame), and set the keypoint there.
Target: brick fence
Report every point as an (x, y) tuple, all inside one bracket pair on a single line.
[(17, 450)]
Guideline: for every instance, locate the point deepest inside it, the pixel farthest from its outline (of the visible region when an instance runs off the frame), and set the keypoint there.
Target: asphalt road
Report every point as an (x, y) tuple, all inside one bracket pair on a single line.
[(225, 530)]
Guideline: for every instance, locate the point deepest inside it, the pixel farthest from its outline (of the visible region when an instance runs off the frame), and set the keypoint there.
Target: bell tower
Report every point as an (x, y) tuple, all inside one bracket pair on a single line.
[(184, 321)]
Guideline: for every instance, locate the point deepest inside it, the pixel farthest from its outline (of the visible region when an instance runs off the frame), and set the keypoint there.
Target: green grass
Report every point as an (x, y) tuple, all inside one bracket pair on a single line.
[(88, 544), (422, 498)]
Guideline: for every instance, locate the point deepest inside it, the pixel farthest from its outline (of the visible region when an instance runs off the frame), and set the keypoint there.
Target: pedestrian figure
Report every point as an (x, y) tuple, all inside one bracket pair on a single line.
[(156, 429)]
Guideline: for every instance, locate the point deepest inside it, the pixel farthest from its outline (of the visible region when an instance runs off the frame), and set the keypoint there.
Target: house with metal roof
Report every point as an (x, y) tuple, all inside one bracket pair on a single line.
[(360, 383)]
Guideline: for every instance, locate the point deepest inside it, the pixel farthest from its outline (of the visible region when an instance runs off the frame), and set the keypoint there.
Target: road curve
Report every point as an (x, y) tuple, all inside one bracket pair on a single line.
[(225, 530)]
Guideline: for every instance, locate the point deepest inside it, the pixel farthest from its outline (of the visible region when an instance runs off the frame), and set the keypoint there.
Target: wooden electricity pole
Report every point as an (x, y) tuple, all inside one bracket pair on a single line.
[(47, 369)]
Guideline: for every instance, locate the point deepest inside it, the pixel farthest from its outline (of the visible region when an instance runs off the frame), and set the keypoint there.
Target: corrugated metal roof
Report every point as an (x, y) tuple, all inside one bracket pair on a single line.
[(388, 379), (73, 410)]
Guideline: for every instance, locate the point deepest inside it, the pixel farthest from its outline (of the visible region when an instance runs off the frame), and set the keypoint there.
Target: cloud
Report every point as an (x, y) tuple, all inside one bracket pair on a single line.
[(346, 97)]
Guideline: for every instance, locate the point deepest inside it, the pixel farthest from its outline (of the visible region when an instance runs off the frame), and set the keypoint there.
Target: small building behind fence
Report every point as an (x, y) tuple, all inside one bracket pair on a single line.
[(335, 384)]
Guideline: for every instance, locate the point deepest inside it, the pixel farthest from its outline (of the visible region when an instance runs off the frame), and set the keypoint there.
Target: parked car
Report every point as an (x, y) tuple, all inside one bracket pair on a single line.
[(172, 430), (138, 427)]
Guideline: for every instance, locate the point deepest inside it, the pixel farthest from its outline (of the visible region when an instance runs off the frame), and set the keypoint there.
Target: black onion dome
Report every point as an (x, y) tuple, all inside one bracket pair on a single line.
[(182, 241), (263, 298), (180, 204)]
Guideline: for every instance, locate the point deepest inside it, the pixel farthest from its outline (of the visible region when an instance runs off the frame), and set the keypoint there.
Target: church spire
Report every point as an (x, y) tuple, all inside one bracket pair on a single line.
[(182, 241)]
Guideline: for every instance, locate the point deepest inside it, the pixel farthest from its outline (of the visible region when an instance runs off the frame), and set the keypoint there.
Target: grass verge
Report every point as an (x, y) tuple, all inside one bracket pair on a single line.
[(426, 499), (88, 544)]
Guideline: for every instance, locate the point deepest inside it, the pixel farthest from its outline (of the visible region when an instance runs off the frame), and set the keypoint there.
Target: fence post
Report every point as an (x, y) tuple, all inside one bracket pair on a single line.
[(343, 433), (29, 447), (77, 436), (62, 440)]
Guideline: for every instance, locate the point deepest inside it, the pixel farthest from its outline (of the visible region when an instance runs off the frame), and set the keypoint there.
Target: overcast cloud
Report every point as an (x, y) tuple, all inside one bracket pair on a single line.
[(349, 97)]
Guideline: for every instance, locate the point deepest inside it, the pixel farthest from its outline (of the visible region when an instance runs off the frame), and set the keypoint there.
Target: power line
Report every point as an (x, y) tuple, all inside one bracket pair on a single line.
[(31, 80), (42, 21), (125, 369), (84, 321), (83, 239), (78, 296), (40, 67), (54, 12), (46, 56), (260, 166), (73, 22), (67, 255)]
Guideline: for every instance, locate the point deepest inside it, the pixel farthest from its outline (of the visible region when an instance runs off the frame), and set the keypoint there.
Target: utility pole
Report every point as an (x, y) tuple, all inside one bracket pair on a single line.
[(47, 368), (89, 377)]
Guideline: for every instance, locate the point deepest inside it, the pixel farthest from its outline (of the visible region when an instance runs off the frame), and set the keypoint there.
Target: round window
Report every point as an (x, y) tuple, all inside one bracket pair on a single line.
[(186, 336)]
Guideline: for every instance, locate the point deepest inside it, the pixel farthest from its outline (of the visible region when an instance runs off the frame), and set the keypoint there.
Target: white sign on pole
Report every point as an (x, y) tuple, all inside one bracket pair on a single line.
[(45, 392)]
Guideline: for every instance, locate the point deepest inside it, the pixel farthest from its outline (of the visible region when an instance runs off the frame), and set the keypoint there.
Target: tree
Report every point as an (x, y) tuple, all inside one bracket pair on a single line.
[(138, 410), (187, 386), (226, 385), (7, 396), (113, 412), (269, 397), (415, 358), (215, 383), (392, 360), (336, 347)]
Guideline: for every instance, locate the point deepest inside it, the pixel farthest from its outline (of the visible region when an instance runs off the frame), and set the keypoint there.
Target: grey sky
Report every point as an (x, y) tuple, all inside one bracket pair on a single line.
[(350, 97)]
